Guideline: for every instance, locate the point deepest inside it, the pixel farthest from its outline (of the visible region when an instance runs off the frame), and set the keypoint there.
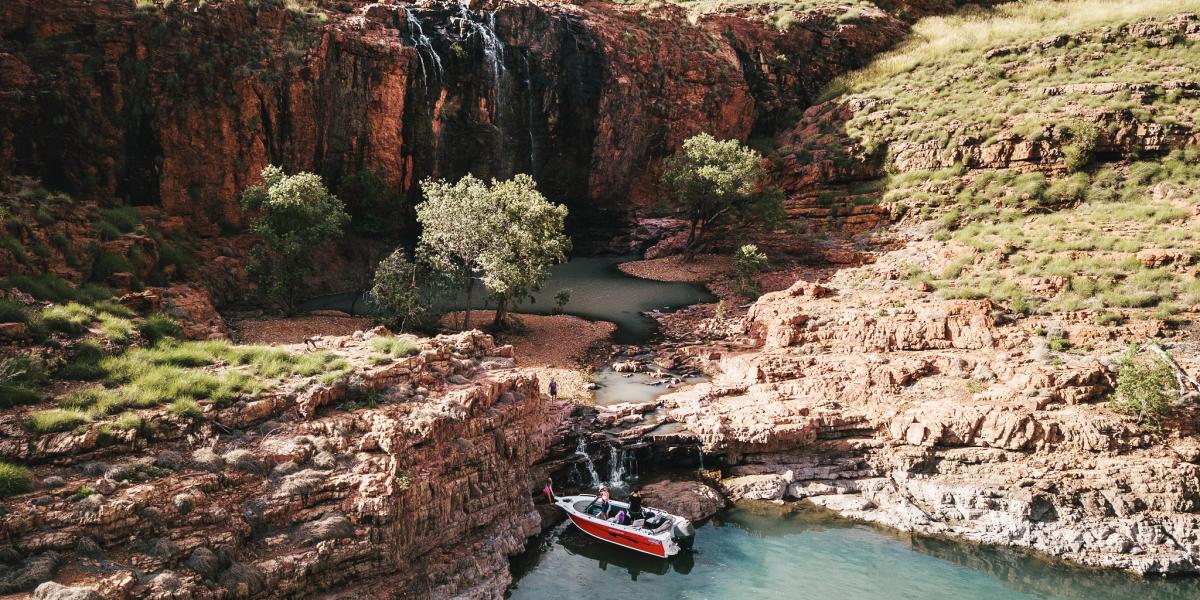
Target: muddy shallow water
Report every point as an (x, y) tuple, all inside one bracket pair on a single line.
[(754, 553)]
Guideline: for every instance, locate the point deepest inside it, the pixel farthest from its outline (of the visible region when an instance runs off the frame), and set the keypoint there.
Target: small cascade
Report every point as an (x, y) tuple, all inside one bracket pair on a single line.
[(581, 451), (700, 449), (622, 466), (416, 34), (616, 466)]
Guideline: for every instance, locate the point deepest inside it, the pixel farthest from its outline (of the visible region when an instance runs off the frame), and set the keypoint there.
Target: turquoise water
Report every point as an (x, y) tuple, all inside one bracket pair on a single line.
[(744, 553), (599, 291)]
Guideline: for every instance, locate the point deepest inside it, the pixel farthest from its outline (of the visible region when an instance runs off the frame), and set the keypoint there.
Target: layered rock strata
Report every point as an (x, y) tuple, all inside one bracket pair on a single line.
[(181, 105), (422, 491), (947, 417)]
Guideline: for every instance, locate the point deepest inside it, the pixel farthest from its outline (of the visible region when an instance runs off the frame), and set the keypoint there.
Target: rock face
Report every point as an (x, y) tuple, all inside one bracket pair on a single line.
[(892, 406), (181, 106), (692, 500), (288, 495)]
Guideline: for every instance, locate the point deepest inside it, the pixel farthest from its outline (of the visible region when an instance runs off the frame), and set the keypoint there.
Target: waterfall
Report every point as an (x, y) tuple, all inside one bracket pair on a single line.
[(493, 50), (530, 115), (700, 449), (416, 34), (581, 451)]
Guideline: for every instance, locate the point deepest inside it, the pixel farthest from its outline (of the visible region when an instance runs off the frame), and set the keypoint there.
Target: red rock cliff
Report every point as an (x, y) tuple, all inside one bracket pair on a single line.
[(182, 105)]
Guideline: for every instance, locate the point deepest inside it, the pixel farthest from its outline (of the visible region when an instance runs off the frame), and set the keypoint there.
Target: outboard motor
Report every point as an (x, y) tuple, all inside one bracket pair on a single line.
[(684, 534)]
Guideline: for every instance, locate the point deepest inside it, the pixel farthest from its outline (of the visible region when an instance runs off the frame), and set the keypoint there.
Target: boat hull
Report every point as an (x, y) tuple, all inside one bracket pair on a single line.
[(627, 539), (659, 542)]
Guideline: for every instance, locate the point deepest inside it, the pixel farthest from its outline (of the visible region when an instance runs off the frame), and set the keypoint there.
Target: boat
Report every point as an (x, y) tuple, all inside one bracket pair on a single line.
[(658, 534)]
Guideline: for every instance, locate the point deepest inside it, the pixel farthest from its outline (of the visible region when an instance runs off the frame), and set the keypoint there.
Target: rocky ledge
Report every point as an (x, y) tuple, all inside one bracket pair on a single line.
[(373, 485), (947, 417)]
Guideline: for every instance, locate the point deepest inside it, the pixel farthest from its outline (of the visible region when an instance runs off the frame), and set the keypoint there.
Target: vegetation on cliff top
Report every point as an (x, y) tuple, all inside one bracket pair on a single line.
[(1096, 218), (296, 213)]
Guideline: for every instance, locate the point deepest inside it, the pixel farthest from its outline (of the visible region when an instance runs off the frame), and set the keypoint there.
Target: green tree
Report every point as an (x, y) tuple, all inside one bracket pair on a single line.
[(505, 235), (1145, 388), (527, 238), (716, 181), (454, 237), (406, 290), (295, 213), (748, 262)]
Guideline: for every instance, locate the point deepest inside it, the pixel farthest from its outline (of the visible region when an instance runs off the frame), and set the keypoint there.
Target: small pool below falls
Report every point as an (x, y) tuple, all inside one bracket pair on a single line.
[(744, 553)]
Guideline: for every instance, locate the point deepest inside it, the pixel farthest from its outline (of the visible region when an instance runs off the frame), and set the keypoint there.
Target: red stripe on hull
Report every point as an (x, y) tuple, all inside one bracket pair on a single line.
[(620, 537)]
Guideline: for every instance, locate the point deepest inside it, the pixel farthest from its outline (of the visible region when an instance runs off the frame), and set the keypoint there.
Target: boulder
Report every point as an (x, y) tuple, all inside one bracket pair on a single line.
[(54, 591), (692, 500)]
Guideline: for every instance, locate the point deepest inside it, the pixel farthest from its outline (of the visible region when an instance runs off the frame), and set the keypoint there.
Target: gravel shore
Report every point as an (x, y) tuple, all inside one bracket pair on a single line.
[(554, 347), (293, 330)]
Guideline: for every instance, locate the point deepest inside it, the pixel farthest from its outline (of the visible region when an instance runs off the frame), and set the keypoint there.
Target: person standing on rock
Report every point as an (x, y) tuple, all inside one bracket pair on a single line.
[(553, 390), (549, 490)]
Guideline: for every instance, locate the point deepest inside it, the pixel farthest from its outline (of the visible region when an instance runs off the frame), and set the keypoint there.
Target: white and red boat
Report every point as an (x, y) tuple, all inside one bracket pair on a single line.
[(657, 533)]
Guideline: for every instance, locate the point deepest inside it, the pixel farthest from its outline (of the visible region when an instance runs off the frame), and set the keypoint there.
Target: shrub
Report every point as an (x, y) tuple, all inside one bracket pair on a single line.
[(402, 291), (107, 263), (1145, 389), (748, 262), (396, 347), (14, 479), (84, 362), (116, 329), (16, 395), (12, 312), (297, 213), (158, 326), (561, 298), (72, 318), (54, 420), (186, 408), (1083, 143)]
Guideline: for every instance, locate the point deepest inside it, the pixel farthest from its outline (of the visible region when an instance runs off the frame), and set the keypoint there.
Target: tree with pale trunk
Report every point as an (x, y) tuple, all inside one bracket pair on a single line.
[(505, 235), (716, 182)]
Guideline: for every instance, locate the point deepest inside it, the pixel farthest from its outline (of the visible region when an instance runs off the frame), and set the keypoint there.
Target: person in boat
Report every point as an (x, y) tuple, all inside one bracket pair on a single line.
[(635, 505), (602, 500)]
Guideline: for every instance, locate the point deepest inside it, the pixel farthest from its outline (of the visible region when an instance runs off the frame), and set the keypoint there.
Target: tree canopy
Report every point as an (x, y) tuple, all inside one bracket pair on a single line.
[(295, 213), (717, 180), (504, 234)]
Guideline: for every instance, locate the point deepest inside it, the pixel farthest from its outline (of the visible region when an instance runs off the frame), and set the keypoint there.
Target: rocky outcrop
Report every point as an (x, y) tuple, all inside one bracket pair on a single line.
[(943, 417), (692, 500), (297, 493)]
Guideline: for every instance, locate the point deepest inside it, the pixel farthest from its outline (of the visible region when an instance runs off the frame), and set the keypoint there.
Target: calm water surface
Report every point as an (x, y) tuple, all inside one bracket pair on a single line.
[(743, 553), (599, 291)]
